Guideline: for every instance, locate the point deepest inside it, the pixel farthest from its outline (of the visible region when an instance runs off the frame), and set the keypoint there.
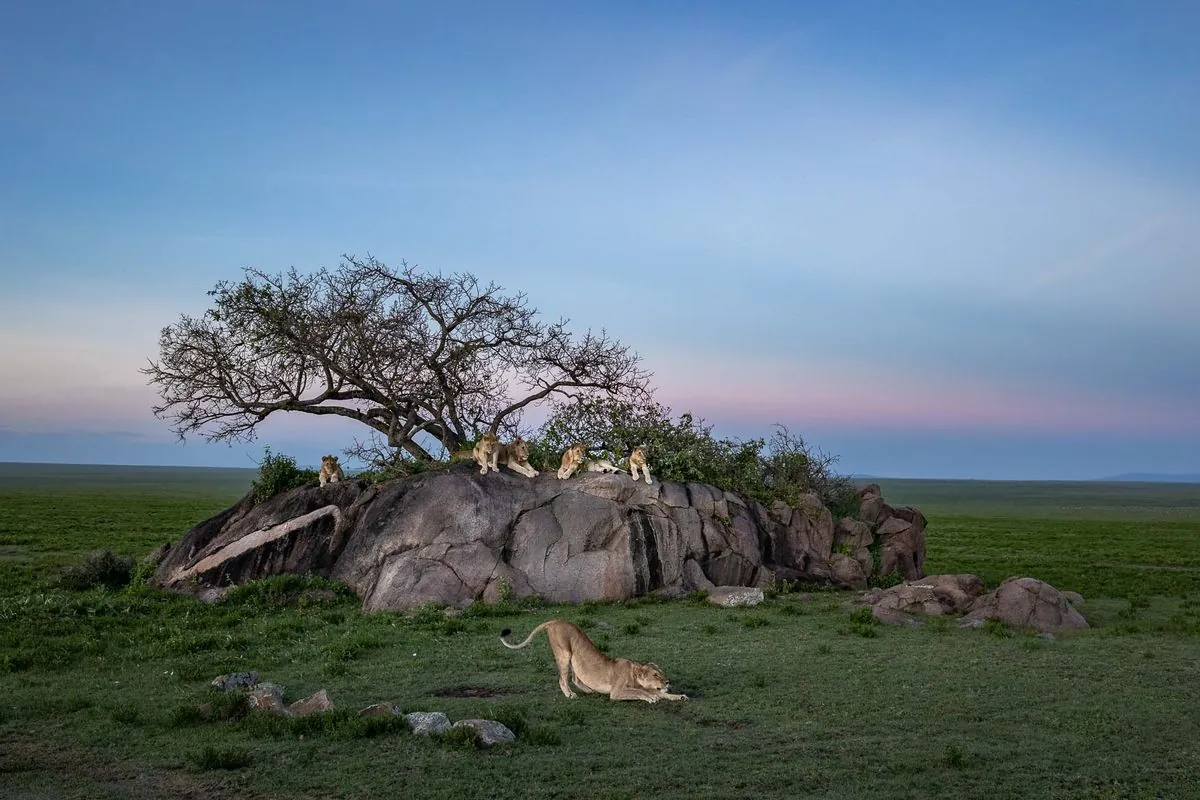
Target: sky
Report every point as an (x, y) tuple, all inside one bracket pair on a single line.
[(937, 239)]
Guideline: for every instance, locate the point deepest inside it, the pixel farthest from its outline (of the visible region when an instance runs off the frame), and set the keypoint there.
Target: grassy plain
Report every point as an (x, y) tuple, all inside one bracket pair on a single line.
[(104, 693)]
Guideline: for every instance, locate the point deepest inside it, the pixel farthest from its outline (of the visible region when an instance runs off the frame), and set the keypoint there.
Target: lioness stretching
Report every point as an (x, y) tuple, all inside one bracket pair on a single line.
[(592, 671), (515, 456), (330, 472), (601, 465), (638, 459), (572, 460)]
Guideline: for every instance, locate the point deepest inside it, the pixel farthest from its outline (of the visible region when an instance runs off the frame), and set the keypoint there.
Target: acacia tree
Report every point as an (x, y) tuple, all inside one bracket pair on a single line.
[(419, 358)]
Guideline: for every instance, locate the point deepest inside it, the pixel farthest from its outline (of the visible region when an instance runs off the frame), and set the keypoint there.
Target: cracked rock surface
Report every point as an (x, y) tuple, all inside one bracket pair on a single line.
[(455, 536)]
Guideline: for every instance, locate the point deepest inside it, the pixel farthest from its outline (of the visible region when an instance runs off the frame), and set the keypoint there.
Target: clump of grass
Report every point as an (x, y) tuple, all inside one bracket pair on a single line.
[(823, 649), (632, 629), (101, 568), (997, 628), (211, 758), (696, 596), (217, 706), (278, 591), (755, 621), (885, 581), (863, 623), (541, 736), (461, 738), (709, 629), (953, 757)]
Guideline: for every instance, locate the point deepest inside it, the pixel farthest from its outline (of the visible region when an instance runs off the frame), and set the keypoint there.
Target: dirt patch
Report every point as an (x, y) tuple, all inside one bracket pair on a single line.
[(471, 691), (32, 769)]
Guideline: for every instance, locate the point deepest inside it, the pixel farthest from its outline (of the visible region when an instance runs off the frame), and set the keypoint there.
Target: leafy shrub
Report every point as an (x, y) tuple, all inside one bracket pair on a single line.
[(685, 449), (278, 473), (100, 568)]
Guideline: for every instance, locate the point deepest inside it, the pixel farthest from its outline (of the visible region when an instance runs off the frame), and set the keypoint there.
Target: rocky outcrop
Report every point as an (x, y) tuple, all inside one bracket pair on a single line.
[(1025, 603), (1017, 602), (456, 536)]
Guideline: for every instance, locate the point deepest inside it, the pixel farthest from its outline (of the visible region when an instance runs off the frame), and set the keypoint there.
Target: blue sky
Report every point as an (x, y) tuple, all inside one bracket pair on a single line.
[(940, 239)]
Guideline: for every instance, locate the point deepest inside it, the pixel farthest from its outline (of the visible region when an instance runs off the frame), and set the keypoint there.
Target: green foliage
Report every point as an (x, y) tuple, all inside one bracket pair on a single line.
[(685, 450), (212, 757), (893, 578), (100, 568), (277, 591), (278, 473)]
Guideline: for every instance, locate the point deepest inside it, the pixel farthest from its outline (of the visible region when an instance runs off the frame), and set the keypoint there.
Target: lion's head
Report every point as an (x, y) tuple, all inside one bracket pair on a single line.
[(519, 450), (329, 462), (489, 440), (650, 676)]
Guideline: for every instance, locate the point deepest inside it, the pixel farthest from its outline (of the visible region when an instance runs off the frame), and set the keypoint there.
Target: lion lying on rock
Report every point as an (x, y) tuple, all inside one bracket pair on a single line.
[(592, 671)]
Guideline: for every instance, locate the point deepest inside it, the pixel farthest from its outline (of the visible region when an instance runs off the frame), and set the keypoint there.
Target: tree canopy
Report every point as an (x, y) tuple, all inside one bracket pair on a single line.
[(422, 359)]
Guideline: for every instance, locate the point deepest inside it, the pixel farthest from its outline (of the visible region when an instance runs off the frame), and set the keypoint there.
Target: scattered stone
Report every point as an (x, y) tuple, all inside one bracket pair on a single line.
[(267, 697), (731, 596), (1074, 598), (1047, 635), (384, 709), (211, 594), (935, 594), (428, 722), (1025, 603), (313, 704), (236, 680), (846, 572), (490, 731)]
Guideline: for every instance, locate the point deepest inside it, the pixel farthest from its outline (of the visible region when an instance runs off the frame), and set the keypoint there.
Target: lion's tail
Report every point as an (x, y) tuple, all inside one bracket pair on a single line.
[(528, 638)]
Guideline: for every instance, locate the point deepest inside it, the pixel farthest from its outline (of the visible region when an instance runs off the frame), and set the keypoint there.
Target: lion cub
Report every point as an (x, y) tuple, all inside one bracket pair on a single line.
[(637, 459), (487, 452), (601, 465), (330, 472), (591, 671), (572, 460)]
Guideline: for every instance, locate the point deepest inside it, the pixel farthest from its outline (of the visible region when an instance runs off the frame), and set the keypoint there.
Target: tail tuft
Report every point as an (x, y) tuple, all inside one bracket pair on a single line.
[(505, 632)]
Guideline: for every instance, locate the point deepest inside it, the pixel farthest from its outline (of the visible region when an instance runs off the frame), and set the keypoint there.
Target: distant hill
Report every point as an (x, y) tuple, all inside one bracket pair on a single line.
[(1153, 477)]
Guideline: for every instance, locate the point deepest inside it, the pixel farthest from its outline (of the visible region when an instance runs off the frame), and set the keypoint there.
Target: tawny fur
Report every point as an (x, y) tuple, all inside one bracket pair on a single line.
[(515, 456), (572, 460), (581, 663), (330, 472), (637, 459), (487, 453), (601, 465)]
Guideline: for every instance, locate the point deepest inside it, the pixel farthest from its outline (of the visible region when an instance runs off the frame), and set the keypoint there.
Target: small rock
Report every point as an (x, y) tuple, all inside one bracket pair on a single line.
[(236, 680), (211, 594), (267, 697), (490, 731), (384, 709), (731, 596), (1074, 598), (314, 704), (428, 721), (1047, 635)]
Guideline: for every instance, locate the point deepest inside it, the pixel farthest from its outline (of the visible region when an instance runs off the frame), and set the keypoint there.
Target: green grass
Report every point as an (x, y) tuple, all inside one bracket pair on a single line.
[(105, 693)]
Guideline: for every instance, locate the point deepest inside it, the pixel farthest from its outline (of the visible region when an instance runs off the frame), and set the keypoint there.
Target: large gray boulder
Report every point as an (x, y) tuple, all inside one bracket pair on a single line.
[(1025, 603), (455, 536)]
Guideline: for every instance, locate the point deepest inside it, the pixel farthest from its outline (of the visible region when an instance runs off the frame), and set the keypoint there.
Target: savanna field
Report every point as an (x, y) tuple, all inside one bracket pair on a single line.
[(104, 693)]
